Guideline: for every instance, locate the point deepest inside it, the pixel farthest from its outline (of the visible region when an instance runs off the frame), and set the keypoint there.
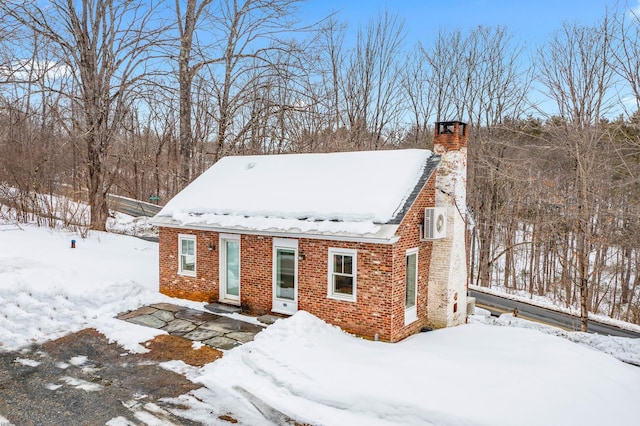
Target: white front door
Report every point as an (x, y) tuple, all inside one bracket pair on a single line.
[(285, 276), (230, 268)]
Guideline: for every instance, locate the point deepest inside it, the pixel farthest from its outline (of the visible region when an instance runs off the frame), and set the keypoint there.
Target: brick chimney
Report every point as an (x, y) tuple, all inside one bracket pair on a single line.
[(447, 292), (452, 135), (450, 142)]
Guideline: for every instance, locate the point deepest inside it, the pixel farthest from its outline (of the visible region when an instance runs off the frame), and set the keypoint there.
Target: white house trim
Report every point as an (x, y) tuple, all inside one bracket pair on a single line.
[(386, 235)]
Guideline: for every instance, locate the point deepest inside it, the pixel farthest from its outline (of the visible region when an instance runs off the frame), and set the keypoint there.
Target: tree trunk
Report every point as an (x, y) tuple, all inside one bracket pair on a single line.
[(97, 193)]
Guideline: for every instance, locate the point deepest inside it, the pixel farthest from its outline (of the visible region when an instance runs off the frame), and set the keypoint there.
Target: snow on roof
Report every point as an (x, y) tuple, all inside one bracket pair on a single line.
[(348, 192)]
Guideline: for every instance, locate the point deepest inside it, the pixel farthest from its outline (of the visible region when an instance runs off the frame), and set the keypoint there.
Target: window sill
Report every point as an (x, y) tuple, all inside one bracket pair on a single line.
[(341, 298), (410, 319), (187, 274)]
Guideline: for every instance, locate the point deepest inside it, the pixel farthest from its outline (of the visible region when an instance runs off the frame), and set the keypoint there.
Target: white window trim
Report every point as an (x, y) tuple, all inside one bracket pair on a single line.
[(411, 314), (330, 293), (187, 237)]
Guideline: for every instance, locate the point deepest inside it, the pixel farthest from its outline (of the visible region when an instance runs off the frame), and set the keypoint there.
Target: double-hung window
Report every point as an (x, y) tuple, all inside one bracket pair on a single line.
[(187, 255), (342, 274)]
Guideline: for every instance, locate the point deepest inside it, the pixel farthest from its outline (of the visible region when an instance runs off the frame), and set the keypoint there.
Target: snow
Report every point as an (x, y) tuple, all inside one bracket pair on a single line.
[(626, 350), (472, 374), (347, 192), (490, 372), (27, 362), (261, 223), (48, 289), (81, 384), (138, 226)]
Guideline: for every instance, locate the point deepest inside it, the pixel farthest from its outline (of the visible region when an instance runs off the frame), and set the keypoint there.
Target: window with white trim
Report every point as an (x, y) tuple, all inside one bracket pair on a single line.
[(411, 286), (187, 255), (342, 274)]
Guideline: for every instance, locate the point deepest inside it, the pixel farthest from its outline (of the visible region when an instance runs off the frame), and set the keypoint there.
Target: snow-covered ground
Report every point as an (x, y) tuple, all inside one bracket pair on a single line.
[(477, 374)]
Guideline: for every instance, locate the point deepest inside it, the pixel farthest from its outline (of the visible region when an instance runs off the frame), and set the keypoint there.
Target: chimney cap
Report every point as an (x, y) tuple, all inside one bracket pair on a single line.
[(451, 135), (451, 122)]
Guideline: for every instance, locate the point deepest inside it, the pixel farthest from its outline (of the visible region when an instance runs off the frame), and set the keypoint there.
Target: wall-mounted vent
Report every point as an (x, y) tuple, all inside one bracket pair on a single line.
[(435, 223)]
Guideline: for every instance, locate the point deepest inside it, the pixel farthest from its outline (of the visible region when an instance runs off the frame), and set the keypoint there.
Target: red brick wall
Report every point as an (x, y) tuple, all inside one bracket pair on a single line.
[(370, 313), (409, 233), (204, 286), (380, 294), (256, 272)]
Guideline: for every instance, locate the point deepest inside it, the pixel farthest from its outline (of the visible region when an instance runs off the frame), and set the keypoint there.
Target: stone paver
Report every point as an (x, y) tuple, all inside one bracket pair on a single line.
[(214, 330), (195, 316), (222, 342), (201, 335), (216, 326), (167, 307), (144, 310), (268, 319), (241, 336), (179, 327), (165, 316), (218, 308), (147, 321), (228, 325)]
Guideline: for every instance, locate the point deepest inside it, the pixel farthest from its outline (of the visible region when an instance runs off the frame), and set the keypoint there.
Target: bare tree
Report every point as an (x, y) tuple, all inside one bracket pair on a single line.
[(444, 60), (576, 72), (371, 91), (235, 35), (421, 93), (626, 56), (332, 54), (104, 45), (187, 25), (478, 77)]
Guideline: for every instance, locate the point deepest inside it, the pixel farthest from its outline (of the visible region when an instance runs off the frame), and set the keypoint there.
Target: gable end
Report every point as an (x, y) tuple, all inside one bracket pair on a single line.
[(430, 167)]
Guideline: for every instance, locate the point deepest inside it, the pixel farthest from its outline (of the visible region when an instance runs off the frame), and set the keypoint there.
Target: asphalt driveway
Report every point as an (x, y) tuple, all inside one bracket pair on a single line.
[(82, 379)]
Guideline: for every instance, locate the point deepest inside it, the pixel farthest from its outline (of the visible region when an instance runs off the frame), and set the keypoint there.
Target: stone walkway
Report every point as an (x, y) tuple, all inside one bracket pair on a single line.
[(213, 330)]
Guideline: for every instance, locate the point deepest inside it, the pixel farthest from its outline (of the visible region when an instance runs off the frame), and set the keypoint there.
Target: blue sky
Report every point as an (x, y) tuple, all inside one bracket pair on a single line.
[(529, 21)]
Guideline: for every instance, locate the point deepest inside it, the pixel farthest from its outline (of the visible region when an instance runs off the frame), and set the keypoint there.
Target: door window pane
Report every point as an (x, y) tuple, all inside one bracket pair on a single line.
[(232, 248), (285, 274)]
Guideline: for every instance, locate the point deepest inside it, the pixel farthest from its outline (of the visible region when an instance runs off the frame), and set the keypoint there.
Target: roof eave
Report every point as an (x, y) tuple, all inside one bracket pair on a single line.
[(386, 234)]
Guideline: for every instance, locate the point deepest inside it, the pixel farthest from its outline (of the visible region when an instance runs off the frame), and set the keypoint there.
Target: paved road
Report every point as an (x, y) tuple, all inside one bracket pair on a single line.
[(498, 305), (133, 207)]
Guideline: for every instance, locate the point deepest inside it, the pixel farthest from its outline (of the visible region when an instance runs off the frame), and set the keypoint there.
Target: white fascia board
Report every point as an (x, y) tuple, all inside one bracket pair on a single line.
[(386, 234)]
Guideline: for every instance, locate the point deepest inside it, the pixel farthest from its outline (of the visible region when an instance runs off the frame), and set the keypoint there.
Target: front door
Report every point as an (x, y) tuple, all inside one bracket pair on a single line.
[(230, 268), (285, 276)]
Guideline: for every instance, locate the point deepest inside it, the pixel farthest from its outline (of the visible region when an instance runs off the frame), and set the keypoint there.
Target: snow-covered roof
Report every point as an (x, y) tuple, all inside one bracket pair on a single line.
[(353, 193)]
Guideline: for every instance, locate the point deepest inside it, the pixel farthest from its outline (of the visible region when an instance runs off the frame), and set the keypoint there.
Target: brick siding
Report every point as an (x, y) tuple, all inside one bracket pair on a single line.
[(380, 295), (409, 232)]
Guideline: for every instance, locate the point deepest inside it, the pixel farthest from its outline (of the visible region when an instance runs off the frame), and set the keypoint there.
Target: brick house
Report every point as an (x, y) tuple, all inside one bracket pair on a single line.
[(373, 242)]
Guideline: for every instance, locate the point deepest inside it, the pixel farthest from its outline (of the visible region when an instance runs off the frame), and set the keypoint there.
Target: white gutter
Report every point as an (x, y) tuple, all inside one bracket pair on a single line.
[(386, 235)]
